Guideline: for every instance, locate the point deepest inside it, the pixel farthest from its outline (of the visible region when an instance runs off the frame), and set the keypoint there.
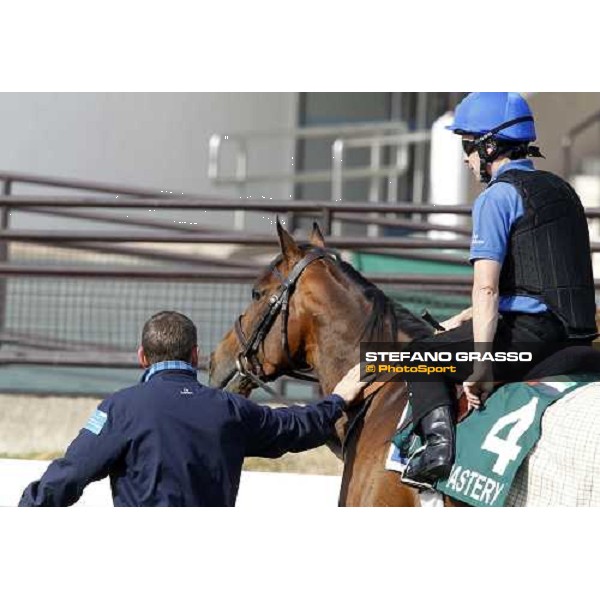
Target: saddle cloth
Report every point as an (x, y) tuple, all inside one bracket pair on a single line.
[(494, 464)]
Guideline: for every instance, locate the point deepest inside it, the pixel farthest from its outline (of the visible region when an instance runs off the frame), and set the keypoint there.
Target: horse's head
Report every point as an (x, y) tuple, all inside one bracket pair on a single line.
[(309, 311), (273, 335)]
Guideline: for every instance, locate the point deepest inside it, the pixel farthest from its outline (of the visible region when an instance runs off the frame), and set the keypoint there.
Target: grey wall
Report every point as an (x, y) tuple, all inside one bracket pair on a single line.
[(157, 140), (555, 114)]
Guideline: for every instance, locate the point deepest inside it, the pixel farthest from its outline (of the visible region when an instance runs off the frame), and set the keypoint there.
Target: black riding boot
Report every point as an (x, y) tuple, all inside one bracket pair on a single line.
[(435, 462)]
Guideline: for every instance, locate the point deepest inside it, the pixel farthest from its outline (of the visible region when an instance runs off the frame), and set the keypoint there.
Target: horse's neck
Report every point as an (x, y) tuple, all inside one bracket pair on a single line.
[(330, 367), (337, 350), (336, 340)]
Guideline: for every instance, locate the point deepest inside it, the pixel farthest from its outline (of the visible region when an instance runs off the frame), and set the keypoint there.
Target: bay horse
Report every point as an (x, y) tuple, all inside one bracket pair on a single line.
[(326, 308), (309, 312)]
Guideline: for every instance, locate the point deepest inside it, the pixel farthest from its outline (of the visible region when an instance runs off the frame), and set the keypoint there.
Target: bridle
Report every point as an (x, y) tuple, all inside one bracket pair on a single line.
[(247, 364)]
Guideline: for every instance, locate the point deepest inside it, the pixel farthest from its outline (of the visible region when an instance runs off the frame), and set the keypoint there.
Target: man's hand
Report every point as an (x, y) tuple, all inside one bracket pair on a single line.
[(478, 387), (350, 385)]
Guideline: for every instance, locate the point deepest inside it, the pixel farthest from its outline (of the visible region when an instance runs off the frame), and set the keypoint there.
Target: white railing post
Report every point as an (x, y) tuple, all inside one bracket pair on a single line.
[(372, 229), (337, 179)]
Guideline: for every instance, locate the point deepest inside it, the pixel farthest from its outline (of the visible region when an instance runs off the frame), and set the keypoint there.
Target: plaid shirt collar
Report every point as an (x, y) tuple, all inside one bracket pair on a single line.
[(167, 365)]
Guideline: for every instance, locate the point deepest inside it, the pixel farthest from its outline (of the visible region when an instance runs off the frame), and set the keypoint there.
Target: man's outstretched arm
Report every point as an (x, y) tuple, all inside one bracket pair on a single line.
[(272, 432), (89, 457)]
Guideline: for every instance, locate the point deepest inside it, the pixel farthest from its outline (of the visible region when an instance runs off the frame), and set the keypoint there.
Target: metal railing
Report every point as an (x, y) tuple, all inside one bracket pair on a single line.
[(399, 143), (341, 243), (10, 179), (61, 338), (372, 136), (241, 142), (192, 269)]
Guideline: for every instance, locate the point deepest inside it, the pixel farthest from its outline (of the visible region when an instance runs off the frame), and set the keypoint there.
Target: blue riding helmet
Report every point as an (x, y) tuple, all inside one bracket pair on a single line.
[(483, 112)]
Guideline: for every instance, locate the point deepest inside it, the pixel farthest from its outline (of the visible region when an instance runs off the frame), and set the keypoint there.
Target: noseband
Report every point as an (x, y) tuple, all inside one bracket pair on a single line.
[(247, 363)]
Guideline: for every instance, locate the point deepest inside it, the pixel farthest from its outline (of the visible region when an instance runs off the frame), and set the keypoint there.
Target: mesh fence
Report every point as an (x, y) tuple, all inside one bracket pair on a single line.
[(111, 313), (75, 313), (106, 313)]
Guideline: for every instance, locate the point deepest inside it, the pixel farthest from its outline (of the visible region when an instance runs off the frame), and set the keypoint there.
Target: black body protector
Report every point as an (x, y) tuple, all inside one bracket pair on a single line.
[(548, 255)]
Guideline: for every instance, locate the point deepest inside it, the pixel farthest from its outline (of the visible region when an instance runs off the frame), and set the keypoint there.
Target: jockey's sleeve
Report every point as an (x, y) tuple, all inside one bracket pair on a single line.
[(88, 458), (494, 213), (271, 432)]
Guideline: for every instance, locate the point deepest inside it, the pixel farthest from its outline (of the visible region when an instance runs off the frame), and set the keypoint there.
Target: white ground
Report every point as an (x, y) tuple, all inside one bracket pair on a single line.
[(257, 490)]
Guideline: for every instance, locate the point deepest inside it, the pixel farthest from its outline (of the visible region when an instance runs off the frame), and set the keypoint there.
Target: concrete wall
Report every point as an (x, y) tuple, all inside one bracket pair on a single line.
[(38, 424), (157, 140), (556, 113), (161, 139)]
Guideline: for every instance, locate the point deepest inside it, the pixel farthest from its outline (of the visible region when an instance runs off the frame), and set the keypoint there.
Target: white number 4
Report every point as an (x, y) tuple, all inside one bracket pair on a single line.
[(508, 449)]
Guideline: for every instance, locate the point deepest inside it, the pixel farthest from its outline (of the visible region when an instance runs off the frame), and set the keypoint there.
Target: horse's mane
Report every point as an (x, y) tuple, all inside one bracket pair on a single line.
[(385, 310)]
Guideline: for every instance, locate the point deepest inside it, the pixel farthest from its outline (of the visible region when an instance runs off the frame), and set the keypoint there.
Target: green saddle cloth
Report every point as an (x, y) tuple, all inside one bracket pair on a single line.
[(492, 443)]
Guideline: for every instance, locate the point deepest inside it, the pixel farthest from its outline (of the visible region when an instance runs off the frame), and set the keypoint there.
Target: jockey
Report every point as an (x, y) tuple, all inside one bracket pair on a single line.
[(532, 280)]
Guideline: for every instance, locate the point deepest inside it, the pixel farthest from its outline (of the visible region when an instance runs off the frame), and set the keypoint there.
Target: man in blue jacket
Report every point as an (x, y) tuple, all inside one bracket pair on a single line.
[(170, 441)]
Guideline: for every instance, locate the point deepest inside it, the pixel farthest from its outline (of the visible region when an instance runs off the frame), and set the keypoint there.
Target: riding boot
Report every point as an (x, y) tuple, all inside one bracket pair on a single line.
[(435, 462)]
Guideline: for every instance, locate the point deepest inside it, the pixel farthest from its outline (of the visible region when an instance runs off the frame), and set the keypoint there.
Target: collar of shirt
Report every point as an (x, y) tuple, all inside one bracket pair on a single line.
[(522, 164), (167, 365)]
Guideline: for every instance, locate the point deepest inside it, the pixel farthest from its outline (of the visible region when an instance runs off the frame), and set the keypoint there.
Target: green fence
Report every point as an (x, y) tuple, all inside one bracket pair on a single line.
[(440, 305)]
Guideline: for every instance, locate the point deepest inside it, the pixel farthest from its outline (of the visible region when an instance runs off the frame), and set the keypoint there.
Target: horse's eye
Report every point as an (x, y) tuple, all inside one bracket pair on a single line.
[(256, 295)]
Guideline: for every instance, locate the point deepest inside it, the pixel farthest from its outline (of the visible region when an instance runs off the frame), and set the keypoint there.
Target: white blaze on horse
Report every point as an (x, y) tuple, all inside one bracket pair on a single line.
[(309, 312)]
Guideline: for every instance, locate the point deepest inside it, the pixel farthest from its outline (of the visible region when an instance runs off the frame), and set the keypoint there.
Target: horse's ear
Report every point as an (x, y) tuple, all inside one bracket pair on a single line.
[(316, 237), (289, 248)]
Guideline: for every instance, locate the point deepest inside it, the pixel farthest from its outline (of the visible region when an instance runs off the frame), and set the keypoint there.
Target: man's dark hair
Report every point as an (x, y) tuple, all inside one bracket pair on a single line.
[(517, 150), (168, 335), (513, 150)]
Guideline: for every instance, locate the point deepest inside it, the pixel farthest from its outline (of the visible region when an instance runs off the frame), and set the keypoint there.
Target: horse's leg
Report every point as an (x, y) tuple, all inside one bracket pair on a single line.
[(366, 482), (381, 489)]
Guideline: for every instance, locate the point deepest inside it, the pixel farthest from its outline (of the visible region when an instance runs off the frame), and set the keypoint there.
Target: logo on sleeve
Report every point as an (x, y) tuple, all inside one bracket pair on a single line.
[(476, 240), (96, 422)]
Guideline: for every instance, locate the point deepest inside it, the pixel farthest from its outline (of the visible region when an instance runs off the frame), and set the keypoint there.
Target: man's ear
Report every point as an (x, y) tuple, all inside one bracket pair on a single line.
[(194, 356), (289, 248), (142, 358)]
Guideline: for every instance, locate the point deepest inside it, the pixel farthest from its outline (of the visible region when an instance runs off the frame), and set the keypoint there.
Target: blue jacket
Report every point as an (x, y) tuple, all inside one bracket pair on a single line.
[(171, 441)]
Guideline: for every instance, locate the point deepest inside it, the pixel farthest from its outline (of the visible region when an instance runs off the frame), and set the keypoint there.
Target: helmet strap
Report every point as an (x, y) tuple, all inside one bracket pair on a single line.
[(506, 125), (488, 152), (489, 149)]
